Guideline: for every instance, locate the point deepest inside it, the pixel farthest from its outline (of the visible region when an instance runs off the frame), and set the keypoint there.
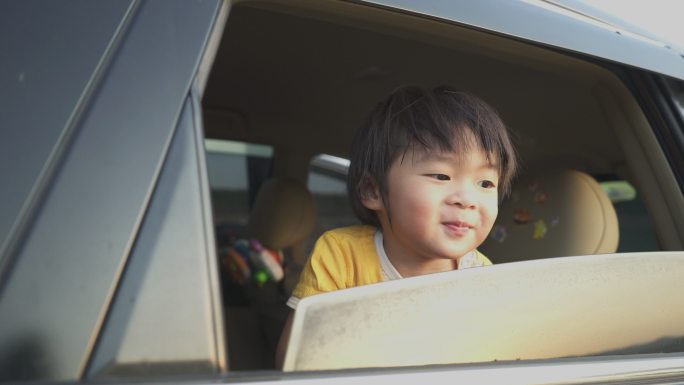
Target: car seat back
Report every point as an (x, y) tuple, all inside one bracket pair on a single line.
[(558, 213), (283, 213)]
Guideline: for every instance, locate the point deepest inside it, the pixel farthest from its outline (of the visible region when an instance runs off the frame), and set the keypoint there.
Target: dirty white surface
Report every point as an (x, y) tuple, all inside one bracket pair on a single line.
[(551, 308)]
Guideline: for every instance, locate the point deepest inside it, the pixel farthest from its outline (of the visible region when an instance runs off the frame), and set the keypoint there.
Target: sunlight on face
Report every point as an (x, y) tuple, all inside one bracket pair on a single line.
[(441, 207)]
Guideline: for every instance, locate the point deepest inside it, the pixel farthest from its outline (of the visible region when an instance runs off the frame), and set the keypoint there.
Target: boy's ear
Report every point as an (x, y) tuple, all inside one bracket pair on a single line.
[(370, 196)]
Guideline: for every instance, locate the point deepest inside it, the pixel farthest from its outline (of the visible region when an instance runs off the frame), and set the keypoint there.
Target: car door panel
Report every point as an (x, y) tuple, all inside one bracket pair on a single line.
[(45, 77), (64, 273)]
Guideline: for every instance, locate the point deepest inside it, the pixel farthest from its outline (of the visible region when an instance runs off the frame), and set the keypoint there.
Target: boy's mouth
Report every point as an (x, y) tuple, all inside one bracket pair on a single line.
[(457, 227)]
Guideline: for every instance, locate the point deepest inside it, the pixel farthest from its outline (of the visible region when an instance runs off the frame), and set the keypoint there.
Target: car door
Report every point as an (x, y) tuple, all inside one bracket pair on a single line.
[(107, 263)]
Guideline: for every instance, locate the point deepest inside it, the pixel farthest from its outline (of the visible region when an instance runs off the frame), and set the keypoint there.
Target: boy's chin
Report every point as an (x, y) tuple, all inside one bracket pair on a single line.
[(458, 251), (453, 255)]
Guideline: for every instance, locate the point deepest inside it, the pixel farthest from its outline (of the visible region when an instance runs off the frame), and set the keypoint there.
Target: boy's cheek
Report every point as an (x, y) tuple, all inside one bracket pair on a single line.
[(490, 216)]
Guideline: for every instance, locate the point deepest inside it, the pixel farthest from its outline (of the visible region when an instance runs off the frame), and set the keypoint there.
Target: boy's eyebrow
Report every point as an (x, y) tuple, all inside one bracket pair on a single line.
[(440, 157)]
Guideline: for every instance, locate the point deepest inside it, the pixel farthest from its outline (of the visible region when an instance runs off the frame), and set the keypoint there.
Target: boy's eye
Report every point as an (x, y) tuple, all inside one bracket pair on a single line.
[(487, 184), (439, 176)]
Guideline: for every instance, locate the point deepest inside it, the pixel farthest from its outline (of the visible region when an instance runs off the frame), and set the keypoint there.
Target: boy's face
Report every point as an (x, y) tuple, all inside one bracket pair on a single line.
[(442, 206)]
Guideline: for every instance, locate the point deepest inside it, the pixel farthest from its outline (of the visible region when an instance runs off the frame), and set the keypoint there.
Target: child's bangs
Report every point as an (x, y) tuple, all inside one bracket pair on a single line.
[(461, 141)]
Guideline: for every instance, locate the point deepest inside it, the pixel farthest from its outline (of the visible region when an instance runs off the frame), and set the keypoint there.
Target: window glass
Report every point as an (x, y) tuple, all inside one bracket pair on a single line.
[(677, 89), (236, 170)]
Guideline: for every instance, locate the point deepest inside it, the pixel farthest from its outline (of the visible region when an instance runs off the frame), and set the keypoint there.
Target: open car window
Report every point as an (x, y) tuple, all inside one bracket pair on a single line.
[(566, 111)]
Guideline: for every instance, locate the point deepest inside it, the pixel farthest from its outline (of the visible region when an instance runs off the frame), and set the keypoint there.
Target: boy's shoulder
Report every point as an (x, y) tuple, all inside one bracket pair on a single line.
[(354, 233), (481, 259)]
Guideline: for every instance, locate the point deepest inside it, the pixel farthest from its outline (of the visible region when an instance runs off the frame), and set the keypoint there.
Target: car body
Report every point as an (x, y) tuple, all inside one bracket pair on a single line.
[(109, 207)]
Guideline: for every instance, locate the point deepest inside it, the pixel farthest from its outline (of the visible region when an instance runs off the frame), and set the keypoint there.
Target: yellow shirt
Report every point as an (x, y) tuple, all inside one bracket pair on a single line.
[(353, 256)]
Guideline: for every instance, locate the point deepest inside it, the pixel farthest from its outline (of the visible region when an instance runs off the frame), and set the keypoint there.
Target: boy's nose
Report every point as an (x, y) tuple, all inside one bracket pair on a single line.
[(462, 197)]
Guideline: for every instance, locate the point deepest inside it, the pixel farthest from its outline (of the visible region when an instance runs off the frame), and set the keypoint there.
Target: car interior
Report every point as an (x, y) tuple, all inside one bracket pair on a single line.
[(294, 79)]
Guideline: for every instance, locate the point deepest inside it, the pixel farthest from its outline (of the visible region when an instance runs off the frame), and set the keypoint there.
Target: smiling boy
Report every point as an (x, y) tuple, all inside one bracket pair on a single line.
[(427, 168), (443, 207)]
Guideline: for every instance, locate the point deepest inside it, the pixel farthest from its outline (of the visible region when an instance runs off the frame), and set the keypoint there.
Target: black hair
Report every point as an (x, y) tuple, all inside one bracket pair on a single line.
[(442, 119)]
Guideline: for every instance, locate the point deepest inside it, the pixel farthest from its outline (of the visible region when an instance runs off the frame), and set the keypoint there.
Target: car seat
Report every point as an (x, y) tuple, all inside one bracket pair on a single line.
[(283, 215), (553, 214)]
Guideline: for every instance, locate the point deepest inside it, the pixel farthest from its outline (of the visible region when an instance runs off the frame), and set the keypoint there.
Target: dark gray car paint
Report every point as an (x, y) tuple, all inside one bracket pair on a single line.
[(48, 61), (167, 275), (542, 22), (91, 212)]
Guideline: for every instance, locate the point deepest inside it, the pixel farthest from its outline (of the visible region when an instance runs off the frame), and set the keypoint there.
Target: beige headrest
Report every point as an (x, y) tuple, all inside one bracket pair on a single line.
[(283, 213), (563, 213)]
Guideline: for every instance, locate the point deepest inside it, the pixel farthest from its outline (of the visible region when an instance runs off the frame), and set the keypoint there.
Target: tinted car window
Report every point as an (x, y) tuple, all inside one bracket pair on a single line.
[(236, 170), (677, 89)]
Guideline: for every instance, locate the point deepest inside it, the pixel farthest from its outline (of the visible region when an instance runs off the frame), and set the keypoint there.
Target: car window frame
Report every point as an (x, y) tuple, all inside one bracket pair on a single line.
[(172, 269)]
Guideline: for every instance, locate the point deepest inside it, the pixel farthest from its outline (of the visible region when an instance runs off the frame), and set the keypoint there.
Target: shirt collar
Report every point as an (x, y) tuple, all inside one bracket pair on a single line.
[(390, 273)]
